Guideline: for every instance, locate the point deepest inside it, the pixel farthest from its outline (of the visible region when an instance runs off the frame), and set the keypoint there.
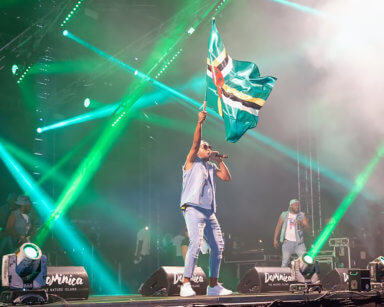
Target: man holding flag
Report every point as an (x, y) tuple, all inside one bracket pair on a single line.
[(236, 91), (198, 203)]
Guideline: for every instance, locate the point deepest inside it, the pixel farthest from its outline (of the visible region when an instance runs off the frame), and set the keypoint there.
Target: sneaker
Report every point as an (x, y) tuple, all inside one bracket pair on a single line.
[(218, 290), (186, 290)]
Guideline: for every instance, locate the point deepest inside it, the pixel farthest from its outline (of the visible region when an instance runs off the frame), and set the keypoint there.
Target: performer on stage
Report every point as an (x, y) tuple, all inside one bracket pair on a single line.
[(19, 226), (290, 226), (199, 206)]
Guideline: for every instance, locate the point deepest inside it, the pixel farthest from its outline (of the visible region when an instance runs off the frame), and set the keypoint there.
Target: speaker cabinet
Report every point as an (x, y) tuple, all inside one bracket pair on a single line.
[(359, 280), (167, 280), (69, 282), (265, 279), (336, 279)]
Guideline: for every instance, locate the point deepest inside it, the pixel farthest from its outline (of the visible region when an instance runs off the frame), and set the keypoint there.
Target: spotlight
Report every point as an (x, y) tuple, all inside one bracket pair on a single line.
[(23, 275), (376, 269), (308, 259), (65, 32), (305, 270), (15, 69), (87, 102), (39, 130)]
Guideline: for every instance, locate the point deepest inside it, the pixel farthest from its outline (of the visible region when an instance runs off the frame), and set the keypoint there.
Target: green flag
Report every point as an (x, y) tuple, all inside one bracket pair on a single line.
[(235, 89)]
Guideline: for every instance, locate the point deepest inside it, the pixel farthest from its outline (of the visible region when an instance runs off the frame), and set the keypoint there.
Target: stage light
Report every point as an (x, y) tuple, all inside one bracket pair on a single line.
[(23, 275), (305, 270), (65, 232), (308, 259), (71, 13), (25, 72), (191, 30), (15, 69), (376, 269), (39, 130), (65, 32), (87, 102)]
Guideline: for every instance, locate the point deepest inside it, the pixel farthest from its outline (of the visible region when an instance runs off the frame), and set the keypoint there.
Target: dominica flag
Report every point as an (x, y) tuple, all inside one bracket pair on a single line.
[(235, 89)]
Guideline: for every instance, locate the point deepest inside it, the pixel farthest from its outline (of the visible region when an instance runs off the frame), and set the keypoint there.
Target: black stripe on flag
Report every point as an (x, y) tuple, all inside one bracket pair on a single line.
[(242, 101), (222, 65)]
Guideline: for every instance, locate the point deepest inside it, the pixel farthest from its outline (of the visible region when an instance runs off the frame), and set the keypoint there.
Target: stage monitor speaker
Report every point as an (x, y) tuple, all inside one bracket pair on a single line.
[(167, 280), (359, 280), (68, 282), (265, 279), (337, 279)]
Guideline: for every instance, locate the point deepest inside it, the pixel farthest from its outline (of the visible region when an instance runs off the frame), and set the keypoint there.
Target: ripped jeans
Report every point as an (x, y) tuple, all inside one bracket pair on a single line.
[(202, 222)]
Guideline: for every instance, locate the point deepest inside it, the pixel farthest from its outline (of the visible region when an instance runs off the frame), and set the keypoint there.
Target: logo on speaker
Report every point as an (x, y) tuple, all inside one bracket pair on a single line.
[(61, 279), (277, 277), (178, 278)]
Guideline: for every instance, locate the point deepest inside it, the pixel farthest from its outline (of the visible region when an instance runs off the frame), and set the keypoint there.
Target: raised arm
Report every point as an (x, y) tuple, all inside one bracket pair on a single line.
[(196, 141)]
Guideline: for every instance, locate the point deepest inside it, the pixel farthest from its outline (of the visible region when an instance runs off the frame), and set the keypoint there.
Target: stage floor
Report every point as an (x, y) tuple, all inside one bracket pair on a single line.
[(325, 298)]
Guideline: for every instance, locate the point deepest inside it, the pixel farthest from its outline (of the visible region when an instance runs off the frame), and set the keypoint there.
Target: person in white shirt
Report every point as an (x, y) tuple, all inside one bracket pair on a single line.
[(290, 227)]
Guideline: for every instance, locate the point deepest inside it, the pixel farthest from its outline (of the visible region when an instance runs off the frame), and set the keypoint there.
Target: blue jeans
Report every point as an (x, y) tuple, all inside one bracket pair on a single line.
[(291, 247), (202, 222)]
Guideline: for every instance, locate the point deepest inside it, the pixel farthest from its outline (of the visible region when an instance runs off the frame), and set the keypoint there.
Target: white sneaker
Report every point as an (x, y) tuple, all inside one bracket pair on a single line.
[(186, 290), (218, 290)]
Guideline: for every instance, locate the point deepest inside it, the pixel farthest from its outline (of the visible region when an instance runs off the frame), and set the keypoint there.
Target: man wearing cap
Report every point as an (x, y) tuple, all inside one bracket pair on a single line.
[(290, 227), (19, 222), (198, 204)]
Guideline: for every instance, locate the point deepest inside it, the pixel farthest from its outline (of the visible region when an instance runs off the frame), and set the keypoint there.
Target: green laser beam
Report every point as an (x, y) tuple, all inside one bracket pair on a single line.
[(328, 173), (82, 118), (146, 101), (250, 134), (302, 8), (304, 160), (126, 220), (93, 161), (31, 160), (360, 182), (69, 238)]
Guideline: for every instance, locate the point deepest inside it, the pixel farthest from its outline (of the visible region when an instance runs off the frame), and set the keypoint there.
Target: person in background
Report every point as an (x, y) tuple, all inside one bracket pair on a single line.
[(5, 210), (180, 242), (19, 224), (290, 228), (143, 245)]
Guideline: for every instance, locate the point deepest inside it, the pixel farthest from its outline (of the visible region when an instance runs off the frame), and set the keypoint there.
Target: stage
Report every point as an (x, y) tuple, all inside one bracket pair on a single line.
[(325, 298), (147, 143)]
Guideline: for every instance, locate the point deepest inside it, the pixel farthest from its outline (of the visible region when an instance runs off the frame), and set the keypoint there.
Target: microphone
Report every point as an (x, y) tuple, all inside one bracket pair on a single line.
[(223, 156)]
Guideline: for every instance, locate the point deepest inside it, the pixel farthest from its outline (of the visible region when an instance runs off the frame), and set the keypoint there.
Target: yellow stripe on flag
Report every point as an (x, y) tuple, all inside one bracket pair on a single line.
[(243, 96), (219, 107), (220, 58)]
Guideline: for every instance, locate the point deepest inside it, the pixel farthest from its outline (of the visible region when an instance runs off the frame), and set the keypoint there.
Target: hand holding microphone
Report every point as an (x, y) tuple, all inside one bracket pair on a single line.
[(218, 156)]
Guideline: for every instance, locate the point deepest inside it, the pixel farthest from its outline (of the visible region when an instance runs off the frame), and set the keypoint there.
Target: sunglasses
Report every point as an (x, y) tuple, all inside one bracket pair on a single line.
[(206, 147)]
